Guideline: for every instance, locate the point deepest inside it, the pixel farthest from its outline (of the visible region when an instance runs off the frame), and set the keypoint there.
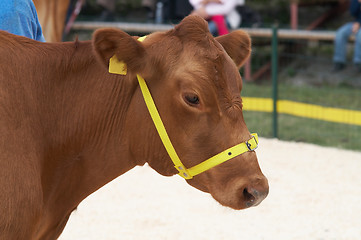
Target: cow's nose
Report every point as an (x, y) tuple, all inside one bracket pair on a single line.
[(255, 193)]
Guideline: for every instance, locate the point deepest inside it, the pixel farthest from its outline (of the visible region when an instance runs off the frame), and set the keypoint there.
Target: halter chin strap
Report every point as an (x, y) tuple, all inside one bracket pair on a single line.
[(119, 67), (226, 155)]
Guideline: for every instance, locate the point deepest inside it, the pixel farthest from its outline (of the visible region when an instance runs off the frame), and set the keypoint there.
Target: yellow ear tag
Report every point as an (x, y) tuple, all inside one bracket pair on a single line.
[(117, 67)]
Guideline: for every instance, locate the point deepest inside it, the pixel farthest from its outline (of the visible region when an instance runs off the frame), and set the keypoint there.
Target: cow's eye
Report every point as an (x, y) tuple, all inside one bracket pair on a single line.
[(192, 99)]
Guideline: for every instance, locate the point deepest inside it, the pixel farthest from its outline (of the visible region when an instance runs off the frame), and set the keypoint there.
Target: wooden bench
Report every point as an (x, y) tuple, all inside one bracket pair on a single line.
[(145, 28), (312, 35)]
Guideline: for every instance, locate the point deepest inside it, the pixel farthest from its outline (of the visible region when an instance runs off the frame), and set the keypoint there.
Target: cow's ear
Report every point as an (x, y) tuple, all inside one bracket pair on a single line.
[(238, 46), (109, 42)]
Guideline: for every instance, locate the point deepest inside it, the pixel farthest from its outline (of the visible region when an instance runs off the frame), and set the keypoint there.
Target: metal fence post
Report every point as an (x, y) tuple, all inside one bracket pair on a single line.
[(274, 61)]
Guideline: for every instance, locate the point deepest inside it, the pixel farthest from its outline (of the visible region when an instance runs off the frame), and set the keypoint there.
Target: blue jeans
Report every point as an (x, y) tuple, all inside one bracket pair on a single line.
[(213, 27), (341, 40)]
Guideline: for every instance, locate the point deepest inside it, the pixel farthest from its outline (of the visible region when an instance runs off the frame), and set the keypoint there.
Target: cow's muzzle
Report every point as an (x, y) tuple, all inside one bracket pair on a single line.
[(253, 194)]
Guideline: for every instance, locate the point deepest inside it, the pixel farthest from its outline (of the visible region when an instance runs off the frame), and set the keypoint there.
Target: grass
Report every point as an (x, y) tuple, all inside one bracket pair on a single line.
[(298, 129), (293, 128), (338, 97)]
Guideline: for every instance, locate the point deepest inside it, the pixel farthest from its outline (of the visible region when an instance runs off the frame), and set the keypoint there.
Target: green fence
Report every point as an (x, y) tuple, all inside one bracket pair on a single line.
[(288, 105)]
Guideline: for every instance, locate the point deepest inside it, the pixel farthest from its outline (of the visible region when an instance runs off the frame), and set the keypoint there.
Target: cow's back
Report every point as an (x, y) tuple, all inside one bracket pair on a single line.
[(20, 81), (31, 95), (36, 77), (41, 84), (19, 175)]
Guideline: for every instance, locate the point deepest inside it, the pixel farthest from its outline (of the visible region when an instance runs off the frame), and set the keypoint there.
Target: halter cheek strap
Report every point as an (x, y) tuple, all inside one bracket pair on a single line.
[(119, 67)]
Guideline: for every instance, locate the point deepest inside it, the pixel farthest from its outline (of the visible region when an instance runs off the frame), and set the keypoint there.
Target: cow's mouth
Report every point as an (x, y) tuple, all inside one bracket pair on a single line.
[(241, 196)]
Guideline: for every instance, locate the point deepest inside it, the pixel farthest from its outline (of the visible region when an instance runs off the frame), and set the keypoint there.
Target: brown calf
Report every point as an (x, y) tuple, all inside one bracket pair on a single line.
[(68, 126)]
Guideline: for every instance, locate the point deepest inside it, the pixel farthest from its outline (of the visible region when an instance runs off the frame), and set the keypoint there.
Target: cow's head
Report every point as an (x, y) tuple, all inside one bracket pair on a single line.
[(195, 83)]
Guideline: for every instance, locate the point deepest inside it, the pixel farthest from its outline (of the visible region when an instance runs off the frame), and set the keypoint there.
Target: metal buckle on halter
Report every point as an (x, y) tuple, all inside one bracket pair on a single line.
[(183, 172), (249, 145)]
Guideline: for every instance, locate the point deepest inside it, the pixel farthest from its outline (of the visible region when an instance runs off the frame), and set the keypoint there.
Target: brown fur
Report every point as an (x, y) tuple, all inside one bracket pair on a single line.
[(68, 127)]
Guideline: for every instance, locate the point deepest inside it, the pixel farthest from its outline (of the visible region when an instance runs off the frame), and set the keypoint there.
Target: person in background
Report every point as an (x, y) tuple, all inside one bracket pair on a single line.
[(149, 6), (342, 36), (19, 17), (233, 18), (108, 12), (109, 7), (214, 11)]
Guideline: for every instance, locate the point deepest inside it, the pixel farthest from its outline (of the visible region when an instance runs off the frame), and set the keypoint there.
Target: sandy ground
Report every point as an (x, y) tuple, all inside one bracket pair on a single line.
[(315, 193)]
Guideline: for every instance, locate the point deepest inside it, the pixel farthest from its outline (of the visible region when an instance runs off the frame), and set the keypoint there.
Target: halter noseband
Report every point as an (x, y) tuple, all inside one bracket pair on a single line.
[(119, 67)]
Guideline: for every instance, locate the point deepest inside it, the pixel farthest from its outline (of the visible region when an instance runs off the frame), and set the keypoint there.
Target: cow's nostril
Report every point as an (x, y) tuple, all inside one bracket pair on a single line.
[(253, 193), (248, 197)]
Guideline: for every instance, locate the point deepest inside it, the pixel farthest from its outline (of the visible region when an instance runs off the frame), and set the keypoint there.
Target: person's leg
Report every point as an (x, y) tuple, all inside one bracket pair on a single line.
[(212, 28), (340, 44), (357, 51)]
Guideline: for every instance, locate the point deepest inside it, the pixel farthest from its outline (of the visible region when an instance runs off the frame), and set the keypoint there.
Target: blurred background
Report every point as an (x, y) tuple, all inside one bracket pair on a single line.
[(291, 90)]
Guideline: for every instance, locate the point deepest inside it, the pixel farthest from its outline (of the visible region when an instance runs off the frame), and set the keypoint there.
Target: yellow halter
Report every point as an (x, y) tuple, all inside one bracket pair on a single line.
[(119, 67)]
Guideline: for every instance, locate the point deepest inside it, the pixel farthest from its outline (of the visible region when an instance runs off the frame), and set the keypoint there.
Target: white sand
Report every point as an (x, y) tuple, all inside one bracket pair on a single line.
[(315, 193)]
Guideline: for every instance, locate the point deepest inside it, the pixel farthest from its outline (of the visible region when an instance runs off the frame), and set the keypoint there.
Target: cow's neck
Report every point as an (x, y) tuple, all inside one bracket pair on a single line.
[(93, 133), (95, 127)]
